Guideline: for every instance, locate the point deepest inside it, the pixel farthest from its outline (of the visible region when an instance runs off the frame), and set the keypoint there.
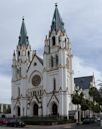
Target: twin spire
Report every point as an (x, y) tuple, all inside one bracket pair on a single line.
[(57, 24), (23, 38)]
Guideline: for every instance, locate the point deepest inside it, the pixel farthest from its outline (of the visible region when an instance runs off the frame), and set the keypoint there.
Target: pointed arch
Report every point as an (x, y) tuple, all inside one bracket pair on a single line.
[(53, 41), (28, 54), (52, 62), (54, 109), (18, 91), (54, 84), (35, 109), (18, 111), (57, 60)]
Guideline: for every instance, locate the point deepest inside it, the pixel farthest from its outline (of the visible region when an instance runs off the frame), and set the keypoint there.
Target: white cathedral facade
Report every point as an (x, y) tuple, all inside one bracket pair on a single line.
[(43, 87)]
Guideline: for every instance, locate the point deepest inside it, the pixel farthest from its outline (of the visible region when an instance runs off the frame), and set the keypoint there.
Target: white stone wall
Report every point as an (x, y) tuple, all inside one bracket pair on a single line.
[(62, 74), (22, 89)]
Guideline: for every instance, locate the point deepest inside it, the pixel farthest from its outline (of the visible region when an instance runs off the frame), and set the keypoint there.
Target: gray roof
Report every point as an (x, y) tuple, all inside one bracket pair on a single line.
[(57, 23), (23, 38), (83, 82)]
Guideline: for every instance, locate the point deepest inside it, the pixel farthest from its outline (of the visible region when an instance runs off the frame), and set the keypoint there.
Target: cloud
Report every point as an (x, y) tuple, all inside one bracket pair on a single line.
[(5, 68), (5, 89), (81, 69), (83, 23)]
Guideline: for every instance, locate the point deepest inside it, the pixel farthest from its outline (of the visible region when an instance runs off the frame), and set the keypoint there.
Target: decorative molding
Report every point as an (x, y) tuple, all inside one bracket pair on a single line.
[(19, 79), (53, 95), (17, 102)]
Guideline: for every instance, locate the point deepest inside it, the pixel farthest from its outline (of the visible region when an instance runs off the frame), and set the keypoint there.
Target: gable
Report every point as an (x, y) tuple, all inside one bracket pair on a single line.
[(36, 64)]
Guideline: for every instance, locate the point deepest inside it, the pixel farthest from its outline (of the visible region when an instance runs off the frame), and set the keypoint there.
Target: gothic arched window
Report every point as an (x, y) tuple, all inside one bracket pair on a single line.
[(18, 91), (59, 39), (54, 84), (28, 55), (18, 53), (56, 60), (53, 41), (52, 63)]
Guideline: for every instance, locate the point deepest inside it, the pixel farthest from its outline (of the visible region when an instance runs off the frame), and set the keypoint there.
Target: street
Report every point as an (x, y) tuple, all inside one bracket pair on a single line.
[(67, 126)]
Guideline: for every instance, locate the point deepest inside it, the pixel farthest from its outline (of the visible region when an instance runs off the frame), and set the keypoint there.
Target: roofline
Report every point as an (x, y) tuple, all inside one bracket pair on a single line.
[(32, 61), (84, 76)]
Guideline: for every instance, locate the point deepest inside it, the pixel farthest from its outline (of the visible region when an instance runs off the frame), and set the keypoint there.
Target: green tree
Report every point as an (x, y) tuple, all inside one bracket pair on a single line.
[(97, 99), (77, 99), (4, 108), (84, 105), (94, 92), (91, 105), (96, 108), (8, 110)]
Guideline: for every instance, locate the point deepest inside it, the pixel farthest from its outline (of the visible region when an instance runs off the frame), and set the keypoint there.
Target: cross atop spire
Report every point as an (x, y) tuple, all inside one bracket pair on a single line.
[(57, 23), (23, 38), (55, 4)]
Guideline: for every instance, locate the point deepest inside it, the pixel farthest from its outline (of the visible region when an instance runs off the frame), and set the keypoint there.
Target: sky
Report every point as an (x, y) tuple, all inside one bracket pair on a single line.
[(83, 24)]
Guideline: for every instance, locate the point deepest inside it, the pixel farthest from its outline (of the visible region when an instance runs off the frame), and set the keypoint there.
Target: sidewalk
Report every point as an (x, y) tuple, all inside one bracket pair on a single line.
[(51, 126)]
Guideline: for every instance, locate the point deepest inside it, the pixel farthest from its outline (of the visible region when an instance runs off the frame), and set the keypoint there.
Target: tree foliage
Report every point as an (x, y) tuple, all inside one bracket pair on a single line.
[(95, 105), (93, 91), (96, 94), (96, 108), (8, 110), (77, 97), (85, 104)]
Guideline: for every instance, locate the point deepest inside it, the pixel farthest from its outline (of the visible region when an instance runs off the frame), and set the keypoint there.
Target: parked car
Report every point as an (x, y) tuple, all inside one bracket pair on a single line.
[(15, 123), (98, 119), (3, 121), (88, 120)]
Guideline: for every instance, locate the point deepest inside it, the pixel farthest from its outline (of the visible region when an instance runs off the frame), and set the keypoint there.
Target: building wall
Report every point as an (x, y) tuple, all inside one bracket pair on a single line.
[(53, 95)]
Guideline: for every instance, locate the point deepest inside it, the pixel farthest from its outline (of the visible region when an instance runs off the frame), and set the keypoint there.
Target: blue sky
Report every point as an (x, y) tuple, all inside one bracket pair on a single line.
[(83, 23)]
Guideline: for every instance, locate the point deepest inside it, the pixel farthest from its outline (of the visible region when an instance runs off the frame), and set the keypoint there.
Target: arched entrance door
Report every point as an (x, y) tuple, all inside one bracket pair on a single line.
[(35, 109), (18, 111), (54, 109)]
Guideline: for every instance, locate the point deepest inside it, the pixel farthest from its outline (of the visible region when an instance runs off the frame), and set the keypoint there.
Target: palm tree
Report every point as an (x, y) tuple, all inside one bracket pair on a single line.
[(77, 97), (84, 105)]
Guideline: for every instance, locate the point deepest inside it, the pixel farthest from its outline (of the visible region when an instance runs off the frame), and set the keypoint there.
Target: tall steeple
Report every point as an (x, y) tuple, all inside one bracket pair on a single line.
[(23, 38), (57, 23)]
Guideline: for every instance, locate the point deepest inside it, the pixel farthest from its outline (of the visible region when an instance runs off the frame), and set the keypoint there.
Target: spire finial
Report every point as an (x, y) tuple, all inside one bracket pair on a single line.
[(57, 23), (56, 5), (23, 18), (23, 38)]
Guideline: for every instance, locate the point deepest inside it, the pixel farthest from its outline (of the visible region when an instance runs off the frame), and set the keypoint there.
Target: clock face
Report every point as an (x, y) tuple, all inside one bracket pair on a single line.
[(36, 80)]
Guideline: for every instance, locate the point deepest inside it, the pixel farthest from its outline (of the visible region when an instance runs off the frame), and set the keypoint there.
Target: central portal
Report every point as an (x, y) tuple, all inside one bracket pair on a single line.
[(35, 109), (54, 109), (18, 111)]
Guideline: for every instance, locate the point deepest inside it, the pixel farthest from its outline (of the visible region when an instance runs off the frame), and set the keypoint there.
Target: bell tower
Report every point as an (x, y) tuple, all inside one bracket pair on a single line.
[(58, 80), (22, 56)]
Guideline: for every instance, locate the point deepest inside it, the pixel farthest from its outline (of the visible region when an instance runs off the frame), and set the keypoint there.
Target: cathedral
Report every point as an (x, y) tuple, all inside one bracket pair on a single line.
[(43, 86)]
